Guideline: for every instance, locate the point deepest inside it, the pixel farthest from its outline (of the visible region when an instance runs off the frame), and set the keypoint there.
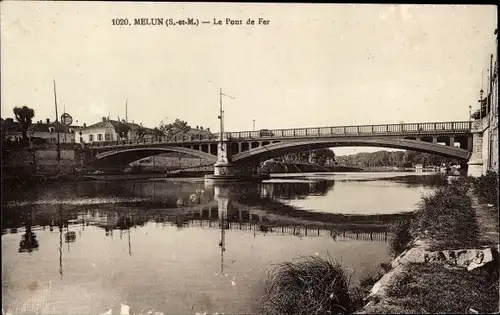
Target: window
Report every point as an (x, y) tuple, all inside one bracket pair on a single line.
[(51, 129), (81, 139), (91, 138), (99, 137), (72, 140), (109, 137)]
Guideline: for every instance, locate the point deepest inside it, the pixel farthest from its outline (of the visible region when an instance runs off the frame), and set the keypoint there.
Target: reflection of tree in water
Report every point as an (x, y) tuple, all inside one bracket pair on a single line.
[(297, 190), (421, 180), (28, 243)]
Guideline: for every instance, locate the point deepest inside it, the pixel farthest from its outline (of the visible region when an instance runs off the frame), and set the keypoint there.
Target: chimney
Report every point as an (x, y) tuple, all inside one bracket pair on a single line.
[(201, 127), (84, 125), (208, 129), (103, 119), (48, 121), (196, 127)]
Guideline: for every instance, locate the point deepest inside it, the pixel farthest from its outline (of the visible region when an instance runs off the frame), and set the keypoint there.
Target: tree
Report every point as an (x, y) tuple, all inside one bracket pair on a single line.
[(157, 133), (24, 116), (140, 132), (172, 129)]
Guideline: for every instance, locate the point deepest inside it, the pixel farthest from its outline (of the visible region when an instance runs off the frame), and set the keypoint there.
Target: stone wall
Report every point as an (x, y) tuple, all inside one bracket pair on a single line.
[(43, 160)]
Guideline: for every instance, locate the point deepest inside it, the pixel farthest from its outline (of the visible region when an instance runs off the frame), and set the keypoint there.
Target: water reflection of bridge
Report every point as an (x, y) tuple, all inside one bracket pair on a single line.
[(295, 230)]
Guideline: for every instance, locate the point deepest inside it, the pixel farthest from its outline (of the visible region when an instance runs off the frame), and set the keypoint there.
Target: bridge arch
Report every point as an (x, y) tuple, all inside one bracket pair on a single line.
[(274, 150), (123, 157)]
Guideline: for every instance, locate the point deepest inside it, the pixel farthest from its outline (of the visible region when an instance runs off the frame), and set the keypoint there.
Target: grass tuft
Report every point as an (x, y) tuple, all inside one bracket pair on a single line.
[(312, 285)]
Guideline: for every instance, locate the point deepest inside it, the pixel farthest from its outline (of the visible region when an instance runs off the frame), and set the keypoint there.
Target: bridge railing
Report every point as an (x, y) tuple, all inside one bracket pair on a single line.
[(159, 140), (387, 129)]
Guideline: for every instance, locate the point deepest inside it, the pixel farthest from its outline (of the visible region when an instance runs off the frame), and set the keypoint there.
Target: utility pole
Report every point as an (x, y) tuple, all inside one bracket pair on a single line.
[(126, 110), (56, 126), (221, 117), (254, 125)]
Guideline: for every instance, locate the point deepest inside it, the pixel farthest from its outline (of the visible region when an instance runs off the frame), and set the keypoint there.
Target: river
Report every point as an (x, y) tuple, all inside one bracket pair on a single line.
[(179, 246)]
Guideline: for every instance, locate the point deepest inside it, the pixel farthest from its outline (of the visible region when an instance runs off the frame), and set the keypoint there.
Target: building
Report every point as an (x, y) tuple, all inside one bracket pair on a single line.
[(11, 130), (113, 130), (492, 159), (200, 131), (39, 132), (47, 132)]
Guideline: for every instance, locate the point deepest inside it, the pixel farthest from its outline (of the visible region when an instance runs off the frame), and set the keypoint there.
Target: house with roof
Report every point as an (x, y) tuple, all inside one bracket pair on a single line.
[(38, 132), (113, 130), (48, 131), (11, 130)]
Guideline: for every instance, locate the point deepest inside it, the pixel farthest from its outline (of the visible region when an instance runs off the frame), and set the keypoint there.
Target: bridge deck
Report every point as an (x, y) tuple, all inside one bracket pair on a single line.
[(408, 129)]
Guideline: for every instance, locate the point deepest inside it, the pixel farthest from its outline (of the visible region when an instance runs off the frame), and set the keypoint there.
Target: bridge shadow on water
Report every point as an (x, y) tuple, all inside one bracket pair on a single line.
[(121, 206)]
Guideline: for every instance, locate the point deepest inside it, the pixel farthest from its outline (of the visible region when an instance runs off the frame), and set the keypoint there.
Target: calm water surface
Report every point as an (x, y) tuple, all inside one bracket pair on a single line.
[(181, 247)]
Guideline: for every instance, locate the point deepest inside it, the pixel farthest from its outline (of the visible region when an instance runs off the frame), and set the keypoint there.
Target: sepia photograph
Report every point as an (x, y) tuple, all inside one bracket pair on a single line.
[(167, 158)]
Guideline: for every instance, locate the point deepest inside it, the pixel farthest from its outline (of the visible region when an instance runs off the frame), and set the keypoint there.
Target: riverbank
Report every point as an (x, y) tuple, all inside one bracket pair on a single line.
[(447, 258), (445, 261)]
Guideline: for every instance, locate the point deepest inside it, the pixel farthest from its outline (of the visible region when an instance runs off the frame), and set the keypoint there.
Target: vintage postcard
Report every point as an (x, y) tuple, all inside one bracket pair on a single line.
[(248, 158)]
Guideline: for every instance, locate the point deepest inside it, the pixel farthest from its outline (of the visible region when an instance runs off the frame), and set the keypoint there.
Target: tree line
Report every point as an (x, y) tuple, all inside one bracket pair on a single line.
[(396, 158)]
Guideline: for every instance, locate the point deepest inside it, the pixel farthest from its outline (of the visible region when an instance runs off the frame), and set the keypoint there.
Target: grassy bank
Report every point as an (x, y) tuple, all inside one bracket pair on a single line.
[(445, 220), (433, 288)]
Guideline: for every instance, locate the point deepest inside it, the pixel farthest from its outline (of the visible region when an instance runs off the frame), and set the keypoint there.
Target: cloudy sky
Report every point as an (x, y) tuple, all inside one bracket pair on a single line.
[(313, 65)]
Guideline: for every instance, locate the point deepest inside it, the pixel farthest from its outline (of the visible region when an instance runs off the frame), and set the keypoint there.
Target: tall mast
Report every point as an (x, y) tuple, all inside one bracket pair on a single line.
[(57, 124), (221, 117), (126, 110)]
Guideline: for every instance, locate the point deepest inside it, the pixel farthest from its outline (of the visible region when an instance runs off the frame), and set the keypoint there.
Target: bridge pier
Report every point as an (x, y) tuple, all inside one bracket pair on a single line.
[(225, 171), (476, 160)]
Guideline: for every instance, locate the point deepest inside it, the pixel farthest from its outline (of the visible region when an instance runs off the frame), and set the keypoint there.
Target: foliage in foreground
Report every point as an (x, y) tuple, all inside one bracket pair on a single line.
[(486, 188), (432, 288), (400, 237), (447, 217), (312, 285)]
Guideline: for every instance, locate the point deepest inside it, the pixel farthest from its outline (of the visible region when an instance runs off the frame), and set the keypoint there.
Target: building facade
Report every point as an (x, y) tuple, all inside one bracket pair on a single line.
[(113, 130), (47, 132), (492, 160)]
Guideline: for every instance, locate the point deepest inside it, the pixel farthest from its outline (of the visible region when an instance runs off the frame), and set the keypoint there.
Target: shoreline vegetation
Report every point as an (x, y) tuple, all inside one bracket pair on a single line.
[(442, 263)]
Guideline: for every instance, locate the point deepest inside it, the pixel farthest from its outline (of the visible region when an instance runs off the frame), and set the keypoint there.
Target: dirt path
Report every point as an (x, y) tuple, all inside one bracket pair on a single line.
[(487, 218)]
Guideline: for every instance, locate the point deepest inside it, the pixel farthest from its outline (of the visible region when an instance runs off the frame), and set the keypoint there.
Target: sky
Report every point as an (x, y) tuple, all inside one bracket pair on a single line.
[(312, 65)]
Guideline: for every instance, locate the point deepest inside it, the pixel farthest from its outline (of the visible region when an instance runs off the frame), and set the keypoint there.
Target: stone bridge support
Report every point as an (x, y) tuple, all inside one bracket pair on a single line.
[(476, 160), (225, 169)]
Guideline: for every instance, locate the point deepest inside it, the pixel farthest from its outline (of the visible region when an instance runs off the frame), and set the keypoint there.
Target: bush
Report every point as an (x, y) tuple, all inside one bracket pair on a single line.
[(400, 237), (311, 286), (486, 188)]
